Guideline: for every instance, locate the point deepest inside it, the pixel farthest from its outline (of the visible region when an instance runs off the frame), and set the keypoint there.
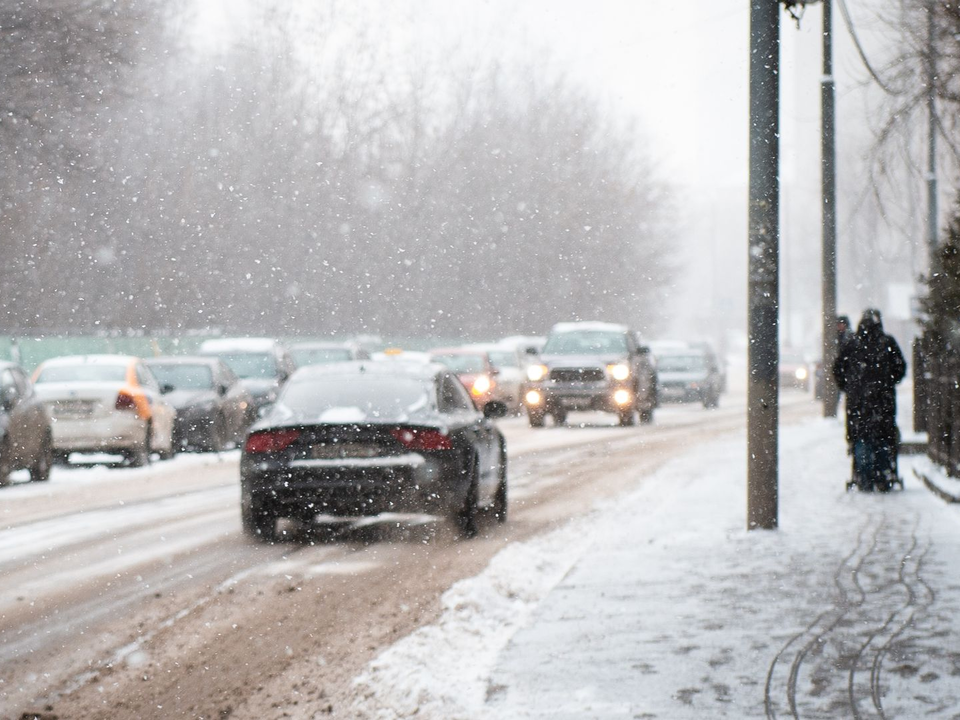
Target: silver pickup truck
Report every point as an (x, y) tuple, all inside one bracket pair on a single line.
[(590, 366)]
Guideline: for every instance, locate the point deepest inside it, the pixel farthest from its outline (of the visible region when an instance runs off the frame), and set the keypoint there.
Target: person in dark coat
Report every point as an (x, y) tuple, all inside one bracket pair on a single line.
[(868, 369), (844, 336)]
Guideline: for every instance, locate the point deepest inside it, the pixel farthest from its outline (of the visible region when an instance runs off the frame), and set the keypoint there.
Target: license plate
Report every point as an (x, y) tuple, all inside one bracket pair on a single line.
[(334, 451), (73, 408), (574, 403)]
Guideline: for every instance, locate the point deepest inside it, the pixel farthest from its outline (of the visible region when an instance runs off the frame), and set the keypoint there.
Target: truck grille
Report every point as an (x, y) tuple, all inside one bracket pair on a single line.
[(577, 375)]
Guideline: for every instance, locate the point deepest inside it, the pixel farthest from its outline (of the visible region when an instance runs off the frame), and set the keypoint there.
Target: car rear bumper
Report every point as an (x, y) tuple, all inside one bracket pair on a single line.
[(308, 488), (679, 393), (117, 431)]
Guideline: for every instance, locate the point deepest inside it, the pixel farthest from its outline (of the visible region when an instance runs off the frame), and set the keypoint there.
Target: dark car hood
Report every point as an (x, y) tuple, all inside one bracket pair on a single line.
[(182, 399), (581, 360), (282, 416)]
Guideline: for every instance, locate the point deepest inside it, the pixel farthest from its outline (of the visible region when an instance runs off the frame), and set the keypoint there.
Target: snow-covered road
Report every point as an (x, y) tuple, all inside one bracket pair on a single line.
[(116, 575)]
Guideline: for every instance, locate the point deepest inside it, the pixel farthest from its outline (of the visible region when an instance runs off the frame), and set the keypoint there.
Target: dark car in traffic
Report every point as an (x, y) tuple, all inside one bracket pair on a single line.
[(689, 374), (26, 438), (213, 408), (591, 366), (369, 437), (262, 364)]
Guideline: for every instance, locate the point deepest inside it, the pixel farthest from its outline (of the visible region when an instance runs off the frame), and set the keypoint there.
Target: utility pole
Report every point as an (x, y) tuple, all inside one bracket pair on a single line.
[(828, 190), (931, 134), (763, 266)]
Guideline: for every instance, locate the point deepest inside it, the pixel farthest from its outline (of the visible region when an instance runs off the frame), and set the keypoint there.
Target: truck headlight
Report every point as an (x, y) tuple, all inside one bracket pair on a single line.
[(801, 373), (533, 398), (536, 372), (619, 371), (621, 397)]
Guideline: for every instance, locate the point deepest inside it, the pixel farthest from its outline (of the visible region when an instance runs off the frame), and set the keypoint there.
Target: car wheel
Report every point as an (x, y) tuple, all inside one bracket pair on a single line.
[(646, 416), (500, 499), (466, 516), (61, 457), (140, 455), (5, 468), (560, 417), (40, 470), (217, 440), (627, 418), (259, 523), (535, 418), (169, 454)]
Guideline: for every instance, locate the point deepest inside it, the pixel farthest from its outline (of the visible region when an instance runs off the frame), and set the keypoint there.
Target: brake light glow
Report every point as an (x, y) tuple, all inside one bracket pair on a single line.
[(422, 439), (268, 441), (125, 401)]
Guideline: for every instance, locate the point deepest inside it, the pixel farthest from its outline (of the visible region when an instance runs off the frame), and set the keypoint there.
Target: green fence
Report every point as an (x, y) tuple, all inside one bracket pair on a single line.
[(31, 351)]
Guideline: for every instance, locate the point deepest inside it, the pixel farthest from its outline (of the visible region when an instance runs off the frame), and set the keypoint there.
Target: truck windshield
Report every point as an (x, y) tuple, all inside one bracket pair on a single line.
[(586, 343)]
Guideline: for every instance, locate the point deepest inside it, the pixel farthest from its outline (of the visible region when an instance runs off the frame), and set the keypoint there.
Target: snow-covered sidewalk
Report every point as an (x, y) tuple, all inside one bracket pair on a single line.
[(663, 606)]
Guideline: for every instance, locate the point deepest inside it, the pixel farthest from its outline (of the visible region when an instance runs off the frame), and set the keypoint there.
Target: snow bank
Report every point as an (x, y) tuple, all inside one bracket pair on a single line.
[(441, 671)]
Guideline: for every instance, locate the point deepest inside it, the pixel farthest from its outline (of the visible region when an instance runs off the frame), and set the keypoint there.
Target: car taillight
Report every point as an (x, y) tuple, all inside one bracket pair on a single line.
[(268, 441), (422, 439), (125, 401)]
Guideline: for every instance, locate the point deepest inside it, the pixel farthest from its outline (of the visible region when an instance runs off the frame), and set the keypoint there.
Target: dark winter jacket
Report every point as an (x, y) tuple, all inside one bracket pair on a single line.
[(868, 369)]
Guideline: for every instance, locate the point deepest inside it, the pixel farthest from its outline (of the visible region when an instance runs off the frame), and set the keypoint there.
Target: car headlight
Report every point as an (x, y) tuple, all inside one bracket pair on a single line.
[(533, 398), (619, 371), (801, 373), (481, 385), (536, 372)]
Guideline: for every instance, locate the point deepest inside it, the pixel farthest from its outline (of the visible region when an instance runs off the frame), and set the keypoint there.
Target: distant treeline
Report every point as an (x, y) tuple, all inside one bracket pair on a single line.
[(317, 175)]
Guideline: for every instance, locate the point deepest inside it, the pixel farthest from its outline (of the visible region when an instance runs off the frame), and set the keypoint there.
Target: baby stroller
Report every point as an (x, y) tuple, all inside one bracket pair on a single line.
[(875, 465)]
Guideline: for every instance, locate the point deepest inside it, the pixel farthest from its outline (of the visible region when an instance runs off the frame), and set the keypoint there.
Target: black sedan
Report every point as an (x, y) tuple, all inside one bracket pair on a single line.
[(213, 408), (26, 440), (368, 437)]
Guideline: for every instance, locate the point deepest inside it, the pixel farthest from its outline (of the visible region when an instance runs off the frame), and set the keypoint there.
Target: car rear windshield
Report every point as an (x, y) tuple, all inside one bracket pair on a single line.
[(594, 342), (374, 397), (83, 373), (183, 377), (250, 365), (320, 356), (681, 363), (461, 363)]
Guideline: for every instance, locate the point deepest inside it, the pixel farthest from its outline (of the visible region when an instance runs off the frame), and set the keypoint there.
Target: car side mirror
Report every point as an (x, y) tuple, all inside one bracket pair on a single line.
[(264, 410), (222, 389), (643, 350), (166, 389), (531, 351), (493, 410)]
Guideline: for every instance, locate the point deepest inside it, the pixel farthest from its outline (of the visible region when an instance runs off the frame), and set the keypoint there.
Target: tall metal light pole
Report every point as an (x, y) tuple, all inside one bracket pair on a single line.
[(931, 134), (828, 188), (763, 266)]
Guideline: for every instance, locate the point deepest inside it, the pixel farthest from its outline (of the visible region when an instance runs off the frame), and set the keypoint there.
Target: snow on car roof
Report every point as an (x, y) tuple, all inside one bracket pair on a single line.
[(251, 345), (566, 327), (91, 360)]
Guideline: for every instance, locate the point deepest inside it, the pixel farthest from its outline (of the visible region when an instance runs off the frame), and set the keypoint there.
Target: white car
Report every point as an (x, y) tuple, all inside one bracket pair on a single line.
[(105, 403)]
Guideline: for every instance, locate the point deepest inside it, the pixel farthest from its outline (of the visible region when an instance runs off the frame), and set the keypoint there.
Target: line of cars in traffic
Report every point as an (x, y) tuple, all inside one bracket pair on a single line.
[(349, 432), (134, 408)]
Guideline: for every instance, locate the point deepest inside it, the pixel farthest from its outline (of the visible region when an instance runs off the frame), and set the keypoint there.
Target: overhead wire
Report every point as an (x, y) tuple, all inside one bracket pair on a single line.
[(848, 21)]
